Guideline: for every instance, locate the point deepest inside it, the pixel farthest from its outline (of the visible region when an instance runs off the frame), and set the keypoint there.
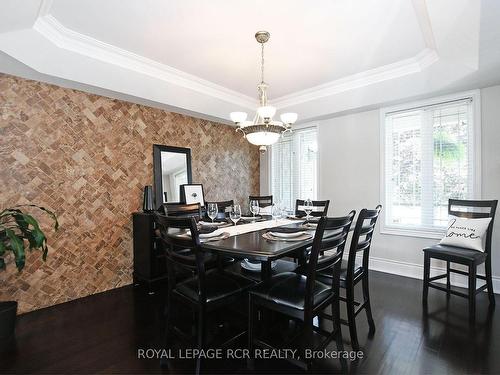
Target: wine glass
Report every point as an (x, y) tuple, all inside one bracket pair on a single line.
[(308, 208), (235, 213), (212, 211), (275, 212), (254, 207)]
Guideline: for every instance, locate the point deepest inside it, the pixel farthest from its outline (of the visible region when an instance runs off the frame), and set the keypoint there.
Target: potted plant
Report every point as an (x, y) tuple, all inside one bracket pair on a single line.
[(18, 231)]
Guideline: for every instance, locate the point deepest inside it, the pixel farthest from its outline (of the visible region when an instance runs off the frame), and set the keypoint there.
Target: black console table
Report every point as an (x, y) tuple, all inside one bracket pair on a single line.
[(149, 259)]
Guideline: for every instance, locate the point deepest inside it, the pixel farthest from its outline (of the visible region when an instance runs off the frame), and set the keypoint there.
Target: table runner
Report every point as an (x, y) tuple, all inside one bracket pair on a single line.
[(252, 227)]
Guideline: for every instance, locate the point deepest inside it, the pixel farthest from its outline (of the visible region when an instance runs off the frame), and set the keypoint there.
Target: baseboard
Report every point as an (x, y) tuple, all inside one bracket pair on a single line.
[(416, 271)]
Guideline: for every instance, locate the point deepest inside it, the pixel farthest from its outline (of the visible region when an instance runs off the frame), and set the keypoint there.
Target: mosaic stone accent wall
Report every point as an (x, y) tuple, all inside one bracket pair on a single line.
[(88, 158)]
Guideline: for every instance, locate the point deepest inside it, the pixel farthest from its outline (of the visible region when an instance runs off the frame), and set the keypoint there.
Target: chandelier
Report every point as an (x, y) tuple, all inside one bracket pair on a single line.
[(263, 130)]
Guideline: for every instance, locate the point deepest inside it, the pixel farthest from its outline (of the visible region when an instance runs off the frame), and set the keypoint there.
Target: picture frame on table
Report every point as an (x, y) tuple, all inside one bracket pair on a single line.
[(192, 193)]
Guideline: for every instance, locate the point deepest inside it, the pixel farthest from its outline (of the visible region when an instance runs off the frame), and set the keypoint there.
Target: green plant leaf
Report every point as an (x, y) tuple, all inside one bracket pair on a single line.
[(50, 213), (17, 226), (16, 244)]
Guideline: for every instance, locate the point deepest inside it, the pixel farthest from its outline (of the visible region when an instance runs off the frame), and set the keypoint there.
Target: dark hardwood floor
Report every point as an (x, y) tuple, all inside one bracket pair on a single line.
[(102, 334)]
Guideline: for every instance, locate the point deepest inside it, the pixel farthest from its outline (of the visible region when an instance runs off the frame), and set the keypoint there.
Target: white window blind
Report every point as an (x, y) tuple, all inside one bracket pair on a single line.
[(294, 167), (429, 158)]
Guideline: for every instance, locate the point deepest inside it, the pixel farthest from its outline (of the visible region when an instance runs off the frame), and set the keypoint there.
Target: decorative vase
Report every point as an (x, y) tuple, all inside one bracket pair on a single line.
[(147, 203), (8, 312)]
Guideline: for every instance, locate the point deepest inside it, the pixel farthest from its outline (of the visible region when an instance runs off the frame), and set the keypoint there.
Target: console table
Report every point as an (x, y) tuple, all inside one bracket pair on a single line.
[(149, 259)]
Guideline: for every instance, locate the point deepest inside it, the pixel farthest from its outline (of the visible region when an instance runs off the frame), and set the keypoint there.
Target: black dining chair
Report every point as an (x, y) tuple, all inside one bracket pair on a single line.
[(207, 291), (222, 207), (352, 273), (181, 210), (264, 200), (320, 208), (472, 209), (300, 296)]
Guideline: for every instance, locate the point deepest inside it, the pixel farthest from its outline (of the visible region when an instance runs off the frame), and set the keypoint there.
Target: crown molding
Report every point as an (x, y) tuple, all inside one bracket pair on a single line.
[(398, 69), (70, 40)]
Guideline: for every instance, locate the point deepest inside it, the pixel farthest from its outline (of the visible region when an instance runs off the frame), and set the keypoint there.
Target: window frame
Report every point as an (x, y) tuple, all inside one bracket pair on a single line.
[(318, 159), (436, 233)]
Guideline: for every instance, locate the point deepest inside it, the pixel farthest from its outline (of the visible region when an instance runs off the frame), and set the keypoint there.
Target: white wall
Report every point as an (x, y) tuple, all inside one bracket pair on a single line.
[(349, 172)]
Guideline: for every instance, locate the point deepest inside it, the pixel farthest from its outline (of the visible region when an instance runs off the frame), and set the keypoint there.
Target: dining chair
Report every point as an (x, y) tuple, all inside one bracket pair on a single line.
[(320, 208), (472, 209), (264, 200), (222, 207), (182, 210), (300, 296), (353, 272), (205, 292)]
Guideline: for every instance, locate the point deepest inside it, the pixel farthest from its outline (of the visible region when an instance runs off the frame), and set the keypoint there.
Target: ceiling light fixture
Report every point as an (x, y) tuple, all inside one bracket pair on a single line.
[(263, 130)]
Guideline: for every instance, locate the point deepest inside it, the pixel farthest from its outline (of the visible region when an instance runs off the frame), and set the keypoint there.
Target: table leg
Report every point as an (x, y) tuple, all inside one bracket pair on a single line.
[(265, 270)]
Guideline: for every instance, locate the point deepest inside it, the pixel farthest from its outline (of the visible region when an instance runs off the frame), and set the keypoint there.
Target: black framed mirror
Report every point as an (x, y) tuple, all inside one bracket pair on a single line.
[(172, 168)]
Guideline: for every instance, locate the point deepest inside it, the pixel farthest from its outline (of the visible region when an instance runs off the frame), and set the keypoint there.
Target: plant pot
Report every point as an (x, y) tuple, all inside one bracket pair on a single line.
[(8, 312)]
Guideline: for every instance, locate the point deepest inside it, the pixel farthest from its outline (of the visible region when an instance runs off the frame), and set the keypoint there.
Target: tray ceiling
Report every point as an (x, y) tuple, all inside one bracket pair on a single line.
[(201, 56)]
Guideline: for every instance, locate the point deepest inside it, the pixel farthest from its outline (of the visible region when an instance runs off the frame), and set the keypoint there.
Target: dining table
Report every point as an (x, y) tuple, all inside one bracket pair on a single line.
[(246, 241)]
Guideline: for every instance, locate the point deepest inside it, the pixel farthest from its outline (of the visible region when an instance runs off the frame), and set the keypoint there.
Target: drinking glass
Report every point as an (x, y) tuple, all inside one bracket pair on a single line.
[(254, 207), (212, 211), (308, 208), (235, 213), (275, 212)]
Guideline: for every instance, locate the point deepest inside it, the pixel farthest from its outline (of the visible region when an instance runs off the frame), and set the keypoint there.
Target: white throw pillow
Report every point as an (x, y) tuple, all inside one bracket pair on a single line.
[(467, 233)]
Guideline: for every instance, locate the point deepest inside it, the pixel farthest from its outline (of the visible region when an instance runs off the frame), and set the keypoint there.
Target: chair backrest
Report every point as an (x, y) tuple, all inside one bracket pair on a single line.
[(331, 235), (222, 207), (182, 233), (475, 209), (264, 200), (182, 210), (320, 208), (362, 239)]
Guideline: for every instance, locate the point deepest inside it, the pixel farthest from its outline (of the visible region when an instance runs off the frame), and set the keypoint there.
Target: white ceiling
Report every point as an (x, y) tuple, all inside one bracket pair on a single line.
[(214, 39), (323, 57)]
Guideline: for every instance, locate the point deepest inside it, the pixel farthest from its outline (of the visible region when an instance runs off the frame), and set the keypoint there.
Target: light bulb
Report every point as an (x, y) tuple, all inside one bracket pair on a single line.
[(238, 117), (288, 118), (263, 138), (266, 112)]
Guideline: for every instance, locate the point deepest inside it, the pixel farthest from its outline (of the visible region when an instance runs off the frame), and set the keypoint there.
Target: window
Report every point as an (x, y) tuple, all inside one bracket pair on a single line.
[(294, 161), (430, 152)]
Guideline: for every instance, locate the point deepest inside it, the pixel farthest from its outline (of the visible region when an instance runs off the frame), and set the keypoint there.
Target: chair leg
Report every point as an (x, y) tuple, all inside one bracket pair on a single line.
[(308, 341), (489, 282), (448, 279), (251, 319), (202, 327), (351, 317), (338, 336), (166, 340), (366, 298), (427, 270), (472, 292)]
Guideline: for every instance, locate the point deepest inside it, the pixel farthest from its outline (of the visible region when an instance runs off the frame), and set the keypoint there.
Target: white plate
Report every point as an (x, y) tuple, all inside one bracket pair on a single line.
[(303, 237), (210, 224), (286, 235), (254, 267)]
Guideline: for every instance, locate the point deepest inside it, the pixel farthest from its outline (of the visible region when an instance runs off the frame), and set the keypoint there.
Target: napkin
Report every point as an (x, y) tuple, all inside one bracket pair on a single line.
[(205, 229)]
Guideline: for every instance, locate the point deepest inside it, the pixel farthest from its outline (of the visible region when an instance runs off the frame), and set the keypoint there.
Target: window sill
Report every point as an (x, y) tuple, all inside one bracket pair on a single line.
[(411, 232)]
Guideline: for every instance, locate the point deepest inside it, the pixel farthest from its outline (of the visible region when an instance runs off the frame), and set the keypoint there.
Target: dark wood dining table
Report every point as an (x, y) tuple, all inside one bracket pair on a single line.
[(254, 247)]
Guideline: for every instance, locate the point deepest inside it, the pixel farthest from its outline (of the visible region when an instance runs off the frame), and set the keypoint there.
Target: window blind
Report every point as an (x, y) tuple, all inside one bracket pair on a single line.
[(429, 153), (294, 167)]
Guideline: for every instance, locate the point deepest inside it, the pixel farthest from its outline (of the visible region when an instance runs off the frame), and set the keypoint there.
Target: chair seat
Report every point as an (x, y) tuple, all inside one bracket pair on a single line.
[(455, 254), (326, 278), (219, 285), (289, 289)]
